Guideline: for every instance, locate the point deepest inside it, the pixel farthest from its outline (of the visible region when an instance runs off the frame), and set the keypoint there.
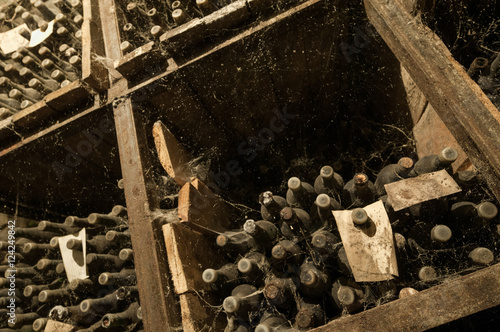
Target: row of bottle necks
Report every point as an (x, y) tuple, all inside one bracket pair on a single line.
[(145, 21), (30, 73), (294, 262), (108, 298)]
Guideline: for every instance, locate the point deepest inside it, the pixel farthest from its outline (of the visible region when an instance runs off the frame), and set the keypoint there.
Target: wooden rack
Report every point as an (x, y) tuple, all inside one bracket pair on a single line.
[(172, 80)]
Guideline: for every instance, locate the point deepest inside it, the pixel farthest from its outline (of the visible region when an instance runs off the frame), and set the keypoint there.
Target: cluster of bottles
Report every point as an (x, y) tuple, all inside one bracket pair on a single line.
[(487, 75), (107, 300), (290, 271), (29, 73), (145, 21)]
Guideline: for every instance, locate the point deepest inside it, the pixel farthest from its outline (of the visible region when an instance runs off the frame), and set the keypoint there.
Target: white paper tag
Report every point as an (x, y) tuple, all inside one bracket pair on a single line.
[(74, 260), (412, 191), (38, 36), (11, 40), (370, 250)]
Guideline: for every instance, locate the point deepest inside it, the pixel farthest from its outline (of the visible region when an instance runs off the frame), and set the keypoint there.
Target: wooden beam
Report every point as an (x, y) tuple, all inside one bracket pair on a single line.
[(429, 308), (93, 71), (173, 156), (464, 108), (153, 276)]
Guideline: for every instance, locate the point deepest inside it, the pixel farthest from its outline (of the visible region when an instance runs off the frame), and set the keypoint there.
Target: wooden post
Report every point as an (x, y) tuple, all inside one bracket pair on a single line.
[(464, 108), (160, 312)]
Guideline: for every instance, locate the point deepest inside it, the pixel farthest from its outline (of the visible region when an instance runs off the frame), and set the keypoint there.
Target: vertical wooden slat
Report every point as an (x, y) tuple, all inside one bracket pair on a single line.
[(160, 311)]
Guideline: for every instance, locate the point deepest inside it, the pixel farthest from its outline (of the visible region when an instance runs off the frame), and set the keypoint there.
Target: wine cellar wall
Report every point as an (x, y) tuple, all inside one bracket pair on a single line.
[(209, 166)]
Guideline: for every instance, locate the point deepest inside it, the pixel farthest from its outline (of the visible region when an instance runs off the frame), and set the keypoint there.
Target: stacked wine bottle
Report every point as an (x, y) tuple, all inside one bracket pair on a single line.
[(290, 271), (106, 300), (145, 21), (31, 72)]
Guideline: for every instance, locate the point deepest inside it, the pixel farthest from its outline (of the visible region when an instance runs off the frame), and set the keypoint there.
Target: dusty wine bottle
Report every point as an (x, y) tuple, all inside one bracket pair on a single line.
[(121, 319), (264, 232), (253, 266), (434, 163), (313, 282), (481, 256), (300, 194), (392, 173), (310, 315), (359, 191), (322, 208), (236, 243), (273, 322), (328, 182), (325, 245), (287, 252), (298, 222), (122, 278), (347, 294), (280, 292), (244, 299), (227, 274), (271, 206)]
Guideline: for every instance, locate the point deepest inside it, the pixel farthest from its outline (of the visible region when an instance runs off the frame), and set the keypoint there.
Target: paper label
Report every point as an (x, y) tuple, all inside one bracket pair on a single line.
[(38, 36), (11, 40), (370, 250), (74, 260), (412, 191)]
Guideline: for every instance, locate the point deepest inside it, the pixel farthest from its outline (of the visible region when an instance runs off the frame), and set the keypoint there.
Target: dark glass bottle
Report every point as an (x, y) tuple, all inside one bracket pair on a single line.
[(434, 163), (310, 315), (236, 243), (264, 232), (105, 220), (122, 278), (427, 274), (298, 221), (244, 299), (322, 208), (72, 314), (429, 236), (271, 206), (325, 246), (359, 191), (273, 322), (35, 234), (281, 292), (300, 194), (62, 295), (328, 182), (467, 215), (481, 256), (108, 303), (348, 295), (392, 173), (23, 319), (313, 281), (254, 266), (223, 278), (286, 253), (121, 319), (56, 227), (105, 262)]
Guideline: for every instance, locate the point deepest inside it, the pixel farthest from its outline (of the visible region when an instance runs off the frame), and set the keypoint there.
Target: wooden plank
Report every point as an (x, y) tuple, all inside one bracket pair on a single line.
[(55, 326), (417, 102), (67, 99), (111, 36), (464, 108), (432, 135), (153, 275), (200, 206), (189, 254), (32, 117), (432, 307), (173, 156), (132, 64), (201, 314), (94, 72)]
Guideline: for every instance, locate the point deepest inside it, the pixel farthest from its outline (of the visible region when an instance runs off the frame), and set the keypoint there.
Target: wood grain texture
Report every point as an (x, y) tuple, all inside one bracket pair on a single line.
[(173, 156), (429, 308), (464, 108)]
